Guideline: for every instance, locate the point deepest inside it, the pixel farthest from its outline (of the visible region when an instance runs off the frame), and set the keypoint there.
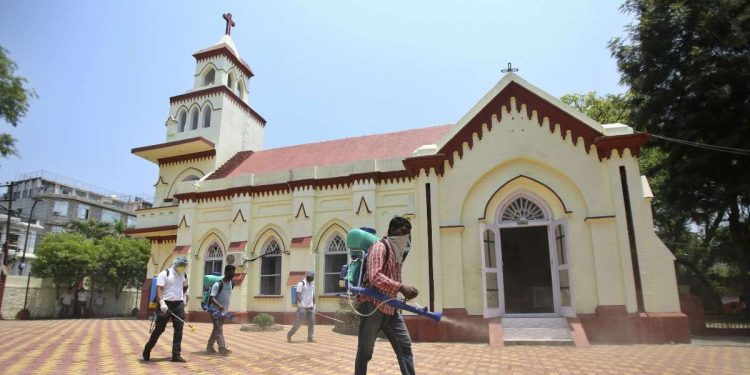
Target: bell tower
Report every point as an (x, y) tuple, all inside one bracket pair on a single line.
[(209, 123)]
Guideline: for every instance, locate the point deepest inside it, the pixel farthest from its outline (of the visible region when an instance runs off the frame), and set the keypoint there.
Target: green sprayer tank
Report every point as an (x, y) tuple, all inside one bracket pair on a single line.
[(358, 241)]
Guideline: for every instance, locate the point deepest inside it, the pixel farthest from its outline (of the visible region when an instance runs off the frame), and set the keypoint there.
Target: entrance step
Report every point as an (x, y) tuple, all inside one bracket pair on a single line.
[(536, 331)]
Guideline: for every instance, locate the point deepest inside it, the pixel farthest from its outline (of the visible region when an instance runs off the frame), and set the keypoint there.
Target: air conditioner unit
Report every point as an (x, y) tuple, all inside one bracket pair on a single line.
[(236, 259)]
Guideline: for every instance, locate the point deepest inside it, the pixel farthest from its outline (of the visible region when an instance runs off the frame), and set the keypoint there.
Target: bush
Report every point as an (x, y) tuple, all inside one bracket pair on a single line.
[(349, 321), (263, 320)]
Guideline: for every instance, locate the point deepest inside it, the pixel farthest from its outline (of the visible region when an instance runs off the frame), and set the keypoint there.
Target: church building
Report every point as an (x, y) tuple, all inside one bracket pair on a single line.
[(524, 208)]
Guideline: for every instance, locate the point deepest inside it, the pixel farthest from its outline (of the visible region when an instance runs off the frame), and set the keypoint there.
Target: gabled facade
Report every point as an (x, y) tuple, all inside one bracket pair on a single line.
[(525, 207)]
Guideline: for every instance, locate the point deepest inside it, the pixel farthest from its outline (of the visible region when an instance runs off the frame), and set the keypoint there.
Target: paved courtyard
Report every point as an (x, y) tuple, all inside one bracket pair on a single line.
[(114, 346)]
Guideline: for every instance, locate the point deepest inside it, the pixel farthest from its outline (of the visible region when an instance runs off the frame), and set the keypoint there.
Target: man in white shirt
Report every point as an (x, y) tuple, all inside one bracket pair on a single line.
[(171, 285), (66, 299), (305, 307)]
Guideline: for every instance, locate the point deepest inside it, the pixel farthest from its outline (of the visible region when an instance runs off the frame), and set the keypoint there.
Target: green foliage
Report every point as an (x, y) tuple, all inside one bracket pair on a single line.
[(91, 229), (120, 262), (608, 109), (111, 262), (63, 257), (263, 320), (687, 68), (14, 100)]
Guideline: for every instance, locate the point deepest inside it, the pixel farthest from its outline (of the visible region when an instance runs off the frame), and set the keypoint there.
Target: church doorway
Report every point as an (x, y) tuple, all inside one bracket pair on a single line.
[(525, 262), (527, 279)]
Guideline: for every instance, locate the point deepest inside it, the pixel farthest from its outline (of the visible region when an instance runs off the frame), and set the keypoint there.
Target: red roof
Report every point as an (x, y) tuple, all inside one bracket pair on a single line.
[(340, 151)]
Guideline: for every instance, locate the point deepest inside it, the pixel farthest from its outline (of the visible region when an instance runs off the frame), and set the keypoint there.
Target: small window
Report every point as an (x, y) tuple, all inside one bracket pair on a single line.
[(208, 79), (181, 120), (194, 119), (230, 82), (110, 216), (335, 258), (131, 222), (207, 116), (522, 211), (83, 212), (270, 269), (214, 259), (60, 208)]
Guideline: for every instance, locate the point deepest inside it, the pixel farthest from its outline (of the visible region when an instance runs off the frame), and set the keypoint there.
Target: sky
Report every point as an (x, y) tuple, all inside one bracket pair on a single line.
[(325, 69)]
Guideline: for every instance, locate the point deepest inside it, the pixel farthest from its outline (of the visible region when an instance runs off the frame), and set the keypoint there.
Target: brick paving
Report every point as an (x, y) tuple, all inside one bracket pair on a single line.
[(114, 346)]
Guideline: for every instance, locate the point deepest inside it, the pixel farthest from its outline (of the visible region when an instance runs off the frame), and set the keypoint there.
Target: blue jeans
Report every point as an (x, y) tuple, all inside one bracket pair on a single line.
[(393, 327), (303, 313)]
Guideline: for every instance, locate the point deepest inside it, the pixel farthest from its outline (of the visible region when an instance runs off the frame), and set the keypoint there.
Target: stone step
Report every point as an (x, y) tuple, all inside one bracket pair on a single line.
[(540, 342), (535, 323), (536, 334)]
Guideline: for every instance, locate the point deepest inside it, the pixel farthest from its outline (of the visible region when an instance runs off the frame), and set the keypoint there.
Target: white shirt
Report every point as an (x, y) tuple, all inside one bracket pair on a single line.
[(83, 296), (306, 290), (173, 284), (67, 298)]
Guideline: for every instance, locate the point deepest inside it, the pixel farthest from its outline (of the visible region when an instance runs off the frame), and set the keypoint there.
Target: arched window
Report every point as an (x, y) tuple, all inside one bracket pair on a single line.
[(181, 120), (194, 118), (522, 210), (207, 115), (270, 268), (209, 78), (241, 89), (230, 81), (335, 258), (214, 259), (192, 177)]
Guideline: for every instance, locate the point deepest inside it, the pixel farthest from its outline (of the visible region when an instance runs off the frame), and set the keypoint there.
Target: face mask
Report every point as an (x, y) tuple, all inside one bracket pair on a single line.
[(401, 244), (180, 269)]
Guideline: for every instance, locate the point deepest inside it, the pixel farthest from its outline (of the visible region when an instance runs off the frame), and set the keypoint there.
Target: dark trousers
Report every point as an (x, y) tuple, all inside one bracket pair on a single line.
[(64, 310), (393, 327), (217, 334), (178, 308), (304, 313)]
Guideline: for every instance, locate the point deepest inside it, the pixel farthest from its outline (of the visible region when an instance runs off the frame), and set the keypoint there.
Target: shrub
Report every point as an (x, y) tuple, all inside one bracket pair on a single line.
[(263, 320)]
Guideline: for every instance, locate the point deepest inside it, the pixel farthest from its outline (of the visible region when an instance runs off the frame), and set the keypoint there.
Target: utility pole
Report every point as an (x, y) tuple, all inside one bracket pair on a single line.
[(6, 247)]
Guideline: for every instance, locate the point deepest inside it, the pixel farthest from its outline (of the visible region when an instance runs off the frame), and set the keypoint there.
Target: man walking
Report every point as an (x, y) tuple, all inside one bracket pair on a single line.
[(383, 269), (221, 295), (305, 307), (171, 285)]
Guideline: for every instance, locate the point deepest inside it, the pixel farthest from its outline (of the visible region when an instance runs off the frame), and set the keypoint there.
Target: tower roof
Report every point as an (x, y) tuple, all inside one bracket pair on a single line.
[(225, 47)]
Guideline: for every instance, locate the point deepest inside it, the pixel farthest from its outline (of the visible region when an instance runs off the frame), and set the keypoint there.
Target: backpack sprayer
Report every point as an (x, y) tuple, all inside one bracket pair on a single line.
[(353, 276)]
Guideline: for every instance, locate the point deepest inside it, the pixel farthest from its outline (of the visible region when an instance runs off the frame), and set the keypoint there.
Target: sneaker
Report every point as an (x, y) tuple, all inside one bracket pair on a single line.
[(311, 340), (224, 351), (178, 359), (146, 355), (210, 349)]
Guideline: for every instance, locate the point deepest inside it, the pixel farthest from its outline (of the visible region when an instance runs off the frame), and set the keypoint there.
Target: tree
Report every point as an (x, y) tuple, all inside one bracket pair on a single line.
[(95, 230), (120, 262), (686, 65), (14, 100), (66, 258)]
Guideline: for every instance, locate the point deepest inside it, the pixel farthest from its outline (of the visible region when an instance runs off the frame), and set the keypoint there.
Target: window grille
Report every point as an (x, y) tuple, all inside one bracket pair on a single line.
[(522, 210)]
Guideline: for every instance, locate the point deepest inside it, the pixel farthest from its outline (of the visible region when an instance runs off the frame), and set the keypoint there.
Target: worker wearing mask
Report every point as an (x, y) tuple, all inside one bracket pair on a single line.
[(171, 288)]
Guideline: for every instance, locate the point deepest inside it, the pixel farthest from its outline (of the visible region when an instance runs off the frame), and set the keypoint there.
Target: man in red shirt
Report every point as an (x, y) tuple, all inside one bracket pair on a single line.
[(383, 273)]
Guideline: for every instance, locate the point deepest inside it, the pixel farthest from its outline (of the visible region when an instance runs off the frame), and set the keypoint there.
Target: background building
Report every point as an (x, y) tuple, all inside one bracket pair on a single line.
[(18, 238), (65, 199)]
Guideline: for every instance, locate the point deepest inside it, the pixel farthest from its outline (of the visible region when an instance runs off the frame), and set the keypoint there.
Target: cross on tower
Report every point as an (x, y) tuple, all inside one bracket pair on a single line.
[(230, 23), (509, 70)]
